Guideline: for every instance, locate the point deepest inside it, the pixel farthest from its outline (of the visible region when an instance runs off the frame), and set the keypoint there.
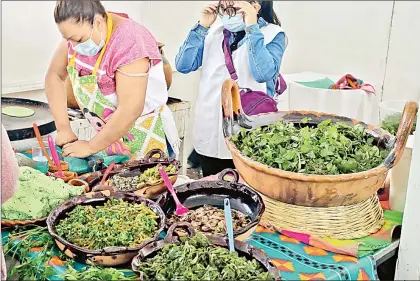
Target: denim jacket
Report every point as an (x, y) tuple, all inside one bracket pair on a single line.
[(264, 60)]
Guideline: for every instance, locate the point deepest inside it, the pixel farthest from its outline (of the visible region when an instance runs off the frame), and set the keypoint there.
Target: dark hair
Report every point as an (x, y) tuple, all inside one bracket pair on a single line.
[(267, 12), (78, 10)]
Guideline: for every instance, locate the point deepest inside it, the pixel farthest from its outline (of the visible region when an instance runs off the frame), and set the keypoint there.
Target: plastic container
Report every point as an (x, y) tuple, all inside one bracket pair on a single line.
[(41, 161), (399, 178)]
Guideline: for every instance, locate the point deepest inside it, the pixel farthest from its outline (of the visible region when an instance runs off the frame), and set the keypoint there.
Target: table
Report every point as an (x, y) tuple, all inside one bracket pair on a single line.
[(297, 260), (379, 257)]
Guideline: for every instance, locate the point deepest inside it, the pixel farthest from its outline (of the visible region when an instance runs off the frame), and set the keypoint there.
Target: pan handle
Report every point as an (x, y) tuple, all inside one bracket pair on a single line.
[(233, 115), (407, 121), (226, 172), (171, 231)]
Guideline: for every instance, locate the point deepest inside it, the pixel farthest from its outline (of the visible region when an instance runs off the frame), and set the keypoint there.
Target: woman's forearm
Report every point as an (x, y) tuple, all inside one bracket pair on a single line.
[(116, 127), (190, 55), (57, 99), (264, 59)]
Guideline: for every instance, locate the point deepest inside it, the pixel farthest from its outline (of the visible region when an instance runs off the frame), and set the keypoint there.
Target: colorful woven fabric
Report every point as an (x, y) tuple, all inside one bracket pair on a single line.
[(349, 82), (295, 260), (299, 261), (357, 247)]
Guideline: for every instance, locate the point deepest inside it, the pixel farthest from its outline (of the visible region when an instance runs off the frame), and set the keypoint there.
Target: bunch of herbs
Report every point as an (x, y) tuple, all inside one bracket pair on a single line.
[(21, 243), (116, 223), (97, 273), (196, 259), (391, 123), (326, 149)]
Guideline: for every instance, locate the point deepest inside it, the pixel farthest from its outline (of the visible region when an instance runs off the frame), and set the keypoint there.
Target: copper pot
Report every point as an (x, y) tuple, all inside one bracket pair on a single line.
[(307, 189)]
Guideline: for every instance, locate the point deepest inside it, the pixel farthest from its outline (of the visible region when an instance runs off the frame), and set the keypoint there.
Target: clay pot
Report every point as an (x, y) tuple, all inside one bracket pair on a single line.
[(64, 166), (307, 189), (78, 182), (167, 68), (67, 176)]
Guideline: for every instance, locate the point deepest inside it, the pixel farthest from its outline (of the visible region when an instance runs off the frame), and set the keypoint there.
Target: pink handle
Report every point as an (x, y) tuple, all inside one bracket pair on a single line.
[(168, 184), (54, 155), (107, 171)]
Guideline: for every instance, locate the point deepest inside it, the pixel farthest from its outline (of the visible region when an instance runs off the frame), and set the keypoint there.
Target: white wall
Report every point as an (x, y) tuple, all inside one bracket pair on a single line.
[(403, 67), (30, 36), (333, 37)]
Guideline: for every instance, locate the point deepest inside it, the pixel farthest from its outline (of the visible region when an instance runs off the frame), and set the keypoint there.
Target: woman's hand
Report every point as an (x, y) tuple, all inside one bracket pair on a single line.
[(64, 137), (77, 149), (208, 15), (250, 11)]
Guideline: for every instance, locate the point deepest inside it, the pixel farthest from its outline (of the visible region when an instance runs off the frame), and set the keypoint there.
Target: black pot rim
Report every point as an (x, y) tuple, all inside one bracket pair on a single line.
[(109, 251)]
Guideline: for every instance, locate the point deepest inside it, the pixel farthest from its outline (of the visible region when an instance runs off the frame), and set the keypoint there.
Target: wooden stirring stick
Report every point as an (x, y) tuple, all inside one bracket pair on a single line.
[(41, 144)]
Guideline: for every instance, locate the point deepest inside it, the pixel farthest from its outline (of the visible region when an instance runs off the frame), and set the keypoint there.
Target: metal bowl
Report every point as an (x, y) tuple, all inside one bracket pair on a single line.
[(110, 256), (196, 194), (242, 248), (307, 189)]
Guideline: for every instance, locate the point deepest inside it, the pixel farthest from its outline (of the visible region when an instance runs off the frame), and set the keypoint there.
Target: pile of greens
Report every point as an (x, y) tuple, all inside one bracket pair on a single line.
[(391, 123), (21, 244), (327, 149), (36, 240), (97, 273), (37, 195), (196, 259), (116, 223)]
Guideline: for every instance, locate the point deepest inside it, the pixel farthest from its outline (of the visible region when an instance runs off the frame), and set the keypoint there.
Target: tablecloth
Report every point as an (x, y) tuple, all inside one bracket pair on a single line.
[(294, 259)]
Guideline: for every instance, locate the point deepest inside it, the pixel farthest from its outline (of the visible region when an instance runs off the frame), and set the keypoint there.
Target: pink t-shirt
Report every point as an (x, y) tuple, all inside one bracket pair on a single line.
[(129, 42)]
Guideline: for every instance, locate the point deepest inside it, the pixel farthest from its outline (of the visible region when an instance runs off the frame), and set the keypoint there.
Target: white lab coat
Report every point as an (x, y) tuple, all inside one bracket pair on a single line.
[(208, 133)]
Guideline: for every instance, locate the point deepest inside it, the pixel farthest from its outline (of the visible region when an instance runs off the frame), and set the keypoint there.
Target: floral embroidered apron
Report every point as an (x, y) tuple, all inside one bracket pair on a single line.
[(146, 134)]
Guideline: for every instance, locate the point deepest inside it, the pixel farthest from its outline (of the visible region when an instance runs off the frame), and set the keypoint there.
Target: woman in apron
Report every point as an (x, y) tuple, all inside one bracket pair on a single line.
[(257, 43), (115, 71)]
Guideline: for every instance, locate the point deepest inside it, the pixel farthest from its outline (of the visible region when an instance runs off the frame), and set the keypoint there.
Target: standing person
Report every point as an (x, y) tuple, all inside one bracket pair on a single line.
[(257, 43), (9, 179), (116, 74)]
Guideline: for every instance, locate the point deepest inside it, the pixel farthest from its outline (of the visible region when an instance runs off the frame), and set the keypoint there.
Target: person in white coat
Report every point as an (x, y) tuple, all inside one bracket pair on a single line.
[(257, 43)]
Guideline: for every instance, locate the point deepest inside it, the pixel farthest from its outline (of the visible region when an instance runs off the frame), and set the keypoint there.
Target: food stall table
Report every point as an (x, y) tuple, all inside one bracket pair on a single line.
[(295, 260)]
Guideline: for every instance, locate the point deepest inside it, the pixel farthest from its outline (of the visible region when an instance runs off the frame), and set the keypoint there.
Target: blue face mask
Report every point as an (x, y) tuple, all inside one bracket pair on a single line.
[(89, 47), (234, 24)]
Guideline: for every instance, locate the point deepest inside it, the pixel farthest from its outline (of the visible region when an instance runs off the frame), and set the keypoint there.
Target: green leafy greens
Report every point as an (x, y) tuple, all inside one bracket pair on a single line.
[(19, 245), (97, 273), (117, 223), (391, 123), (196, 259), (36, 240), (327, 149)]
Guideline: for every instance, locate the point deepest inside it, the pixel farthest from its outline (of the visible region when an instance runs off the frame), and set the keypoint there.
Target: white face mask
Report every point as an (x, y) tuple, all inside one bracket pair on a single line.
[(235, 23), (89, 47)]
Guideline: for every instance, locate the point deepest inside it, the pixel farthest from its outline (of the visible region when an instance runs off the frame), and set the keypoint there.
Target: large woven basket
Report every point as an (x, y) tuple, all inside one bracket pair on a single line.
[(305, 189), (343, 222)]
